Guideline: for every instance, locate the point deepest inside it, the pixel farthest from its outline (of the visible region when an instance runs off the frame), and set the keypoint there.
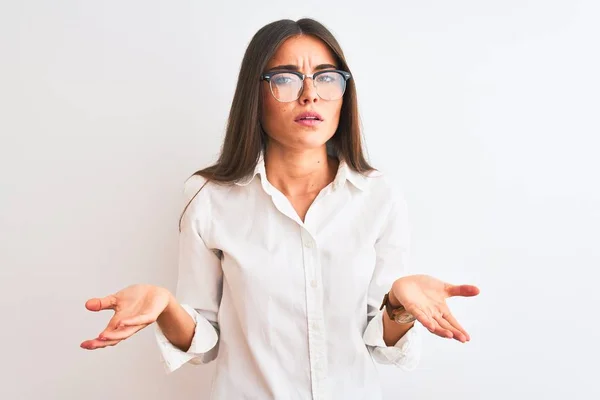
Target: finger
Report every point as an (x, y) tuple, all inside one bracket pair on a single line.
[(112, 326), (97, 344), (440, 330), (424, 319), (142, 319), (104, 303), (120, 334), (455, 333), (450, 318), (126, 327), (462, 290)]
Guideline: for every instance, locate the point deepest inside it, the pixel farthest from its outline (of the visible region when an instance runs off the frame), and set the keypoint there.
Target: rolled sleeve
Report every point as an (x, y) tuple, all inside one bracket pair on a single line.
[(405, 353), (203, 349)]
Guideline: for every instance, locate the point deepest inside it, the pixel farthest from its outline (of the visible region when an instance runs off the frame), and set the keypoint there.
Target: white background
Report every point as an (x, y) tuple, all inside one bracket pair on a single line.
[(485, 111)]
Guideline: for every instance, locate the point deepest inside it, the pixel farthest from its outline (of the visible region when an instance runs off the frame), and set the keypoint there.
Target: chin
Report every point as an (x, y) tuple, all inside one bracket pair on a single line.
[(312, 143), (303, 138)]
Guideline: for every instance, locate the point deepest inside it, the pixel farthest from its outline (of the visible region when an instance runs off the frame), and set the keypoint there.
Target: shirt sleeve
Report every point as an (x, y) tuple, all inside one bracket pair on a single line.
[(392, 258), (199, 283)]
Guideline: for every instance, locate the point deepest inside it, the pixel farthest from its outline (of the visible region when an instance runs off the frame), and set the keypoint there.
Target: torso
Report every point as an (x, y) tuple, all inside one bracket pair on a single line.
[(274, 290)]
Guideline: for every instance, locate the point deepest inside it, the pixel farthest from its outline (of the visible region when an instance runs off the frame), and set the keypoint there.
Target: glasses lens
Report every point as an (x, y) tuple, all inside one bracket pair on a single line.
[(330, 85), (285, 86)]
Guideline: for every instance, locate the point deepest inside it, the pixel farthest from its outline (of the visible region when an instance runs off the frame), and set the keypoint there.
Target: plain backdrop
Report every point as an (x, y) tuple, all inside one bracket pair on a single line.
[(486, 112)]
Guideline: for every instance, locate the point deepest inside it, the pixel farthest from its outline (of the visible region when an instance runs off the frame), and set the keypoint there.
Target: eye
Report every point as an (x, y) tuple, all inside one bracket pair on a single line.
[(280, 80), (329, 77), (283, 79)]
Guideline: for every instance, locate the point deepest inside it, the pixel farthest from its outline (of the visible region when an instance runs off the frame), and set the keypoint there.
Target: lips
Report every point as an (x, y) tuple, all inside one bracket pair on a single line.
[(309, 116)]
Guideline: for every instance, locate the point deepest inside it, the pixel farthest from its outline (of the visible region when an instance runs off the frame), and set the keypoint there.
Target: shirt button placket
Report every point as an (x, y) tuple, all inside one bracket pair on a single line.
[(316, 334)]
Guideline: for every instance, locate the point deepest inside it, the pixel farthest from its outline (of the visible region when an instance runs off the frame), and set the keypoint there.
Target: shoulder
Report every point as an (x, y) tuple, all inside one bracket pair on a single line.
[(196, 201), (196, 210), (386, 191), (199, 192), (192, 187), (384, 183)]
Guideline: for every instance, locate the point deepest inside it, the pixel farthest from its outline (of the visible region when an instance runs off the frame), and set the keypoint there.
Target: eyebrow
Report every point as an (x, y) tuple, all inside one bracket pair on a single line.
[(291, 67)]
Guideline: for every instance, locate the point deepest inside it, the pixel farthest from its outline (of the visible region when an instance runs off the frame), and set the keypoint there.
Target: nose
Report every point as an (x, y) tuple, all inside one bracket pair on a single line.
[(309, 92)]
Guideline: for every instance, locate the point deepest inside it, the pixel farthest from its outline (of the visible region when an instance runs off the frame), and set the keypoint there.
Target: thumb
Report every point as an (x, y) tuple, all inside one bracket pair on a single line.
[(104, 303), (462, 290)]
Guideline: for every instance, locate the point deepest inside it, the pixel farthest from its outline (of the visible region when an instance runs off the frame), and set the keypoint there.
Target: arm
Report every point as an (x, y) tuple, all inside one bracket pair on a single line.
[(177, 325), (389, 342), (423, 296), (187, 330)]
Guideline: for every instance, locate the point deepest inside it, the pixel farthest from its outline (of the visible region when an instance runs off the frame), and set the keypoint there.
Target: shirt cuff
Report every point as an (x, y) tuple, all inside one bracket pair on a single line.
[(202, 350), (405, 354)]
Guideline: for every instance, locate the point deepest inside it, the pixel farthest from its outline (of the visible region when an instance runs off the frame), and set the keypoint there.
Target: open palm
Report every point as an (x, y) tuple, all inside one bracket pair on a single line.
[(135, 307), (425, 297)]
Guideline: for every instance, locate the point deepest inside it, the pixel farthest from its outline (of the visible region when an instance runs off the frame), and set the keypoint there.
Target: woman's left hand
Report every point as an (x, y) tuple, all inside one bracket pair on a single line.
[(425, 297)]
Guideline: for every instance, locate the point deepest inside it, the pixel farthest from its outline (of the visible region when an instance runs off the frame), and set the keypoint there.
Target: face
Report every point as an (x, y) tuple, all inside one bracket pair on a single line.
[(280, 120)]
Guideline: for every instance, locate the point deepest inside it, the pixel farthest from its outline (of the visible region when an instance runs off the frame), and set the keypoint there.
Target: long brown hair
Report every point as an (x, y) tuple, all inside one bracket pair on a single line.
[(245, 138)]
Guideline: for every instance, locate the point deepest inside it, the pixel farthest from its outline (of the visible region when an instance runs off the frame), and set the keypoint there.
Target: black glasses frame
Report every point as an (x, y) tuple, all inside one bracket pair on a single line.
[(269, 75)]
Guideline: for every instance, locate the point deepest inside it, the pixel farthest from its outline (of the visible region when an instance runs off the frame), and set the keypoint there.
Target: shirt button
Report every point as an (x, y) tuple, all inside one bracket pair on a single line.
[(309, 243), (313, 283)]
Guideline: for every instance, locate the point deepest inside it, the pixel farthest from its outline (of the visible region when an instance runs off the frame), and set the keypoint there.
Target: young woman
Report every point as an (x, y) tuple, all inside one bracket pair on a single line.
[(293, 249)]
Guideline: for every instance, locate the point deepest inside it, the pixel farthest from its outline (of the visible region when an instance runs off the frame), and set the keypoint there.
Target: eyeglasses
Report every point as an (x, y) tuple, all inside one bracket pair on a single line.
[(288, 86)]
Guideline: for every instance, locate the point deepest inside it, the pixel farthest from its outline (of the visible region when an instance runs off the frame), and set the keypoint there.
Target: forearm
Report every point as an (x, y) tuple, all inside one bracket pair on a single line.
[(177, 325), (392, 331)]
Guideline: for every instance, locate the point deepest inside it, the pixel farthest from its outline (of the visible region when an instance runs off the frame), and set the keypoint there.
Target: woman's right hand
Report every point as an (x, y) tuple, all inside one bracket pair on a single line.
[(135, 307)]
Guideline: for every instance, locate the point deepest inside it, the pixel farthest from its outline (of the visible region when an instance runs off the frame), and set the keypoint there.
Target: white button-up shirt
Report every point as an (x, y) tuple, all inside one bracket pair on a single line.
[(290, 309)]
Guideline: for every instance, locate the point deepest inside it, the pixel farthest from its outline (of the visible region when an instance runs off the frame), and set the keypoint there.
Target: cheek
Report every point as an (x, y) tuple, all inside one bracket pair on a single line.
[(273, 112), (335, 113)]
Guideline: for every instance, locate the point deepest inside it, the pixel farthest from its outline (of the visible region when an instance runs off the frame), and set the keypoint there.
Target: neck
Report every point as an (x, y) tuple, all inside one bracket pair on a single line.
[(299, 172)]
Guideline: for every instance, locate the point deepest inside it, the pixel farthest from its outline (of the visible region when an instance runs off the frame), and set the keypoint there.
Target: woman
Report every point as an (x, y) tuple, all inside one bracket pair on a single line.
[(293, 249)]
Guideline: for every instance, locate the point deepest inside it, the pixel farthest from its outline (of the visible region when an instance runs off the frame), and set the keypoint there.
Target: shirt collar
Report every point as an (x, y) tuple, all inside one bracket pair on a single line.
[(344, 173)]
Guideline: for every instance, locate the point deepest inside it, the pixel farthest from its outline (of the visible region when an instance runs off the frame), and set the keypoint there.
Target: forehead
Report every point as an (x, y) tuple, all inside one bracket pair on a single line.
[(305, 51)]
